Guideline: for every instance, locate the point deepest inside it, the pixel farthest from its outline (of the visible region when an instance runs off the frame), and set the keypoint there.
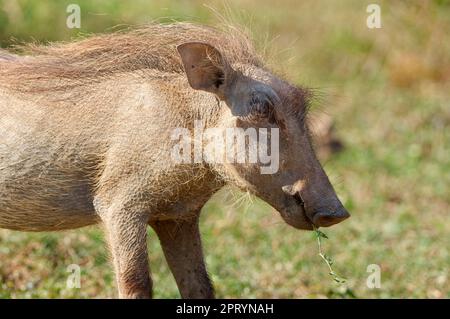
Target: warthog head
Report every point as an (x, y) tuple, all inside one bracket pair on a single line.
[(252, 97)]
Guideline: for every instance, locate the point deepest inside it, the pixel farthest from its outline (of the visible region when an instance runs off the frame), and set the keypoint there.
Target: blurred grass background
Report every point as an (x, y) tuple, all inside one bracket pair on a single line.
[(388, 91)]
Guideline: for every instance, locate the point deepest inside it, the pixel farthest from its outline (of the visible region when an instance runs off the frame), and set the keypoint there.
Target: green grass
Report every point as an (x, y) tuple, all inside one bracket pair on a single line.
[(388, 91)]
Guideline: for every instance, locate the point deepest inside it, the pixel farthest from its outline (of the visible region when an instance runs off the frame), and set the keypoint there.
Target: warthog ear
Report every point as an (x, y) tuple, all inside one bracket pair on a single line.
[(204, 66)]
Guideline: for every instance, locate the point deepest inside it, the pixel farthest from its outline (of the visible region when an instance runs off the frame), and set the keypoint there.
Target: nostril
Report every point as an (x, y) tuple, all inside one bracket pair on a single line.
[(327, 218)]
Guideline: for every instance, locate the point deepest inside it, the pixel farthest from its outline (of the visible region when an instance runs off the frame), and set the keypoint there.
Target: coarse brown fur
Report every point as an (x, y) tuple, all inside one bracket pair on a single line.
[(149, 48), (85, 137)]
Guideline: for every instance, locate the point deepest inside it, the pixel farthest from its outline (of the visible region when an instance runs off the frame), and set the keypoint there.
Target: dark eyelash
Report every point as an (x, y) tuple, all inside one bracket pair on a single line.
[(262, 104)]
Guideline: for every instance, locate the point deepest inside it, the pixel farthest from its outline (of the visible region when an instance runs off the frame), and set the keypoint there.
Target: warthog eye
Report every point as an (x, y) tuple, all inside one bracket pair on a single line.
[(261, 105)]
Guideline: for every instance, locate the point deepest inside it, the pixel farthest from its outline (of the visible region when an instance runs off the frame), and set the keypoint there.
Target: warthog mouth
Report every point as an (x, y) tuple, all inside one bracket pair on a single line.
[(310, 224), (299, 218), (322, 218), (298, 199)]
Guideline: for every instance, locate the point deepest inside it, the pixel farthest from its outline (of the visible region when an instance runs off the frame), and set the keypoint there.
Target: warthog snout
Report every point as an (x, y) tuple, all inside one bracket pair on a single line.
[(329, 217), (331, 210)]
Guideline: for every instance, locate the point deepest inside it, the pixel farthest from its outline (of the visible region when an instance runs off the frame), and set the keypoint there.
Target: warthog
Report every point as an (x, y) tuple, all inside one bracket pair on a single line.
[(85, 138)]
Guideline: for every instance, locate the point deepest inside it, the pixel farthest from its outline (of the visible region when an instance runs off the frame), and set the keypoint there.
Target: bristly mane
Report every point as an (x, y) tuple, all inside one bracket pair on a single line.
[(152, 47)]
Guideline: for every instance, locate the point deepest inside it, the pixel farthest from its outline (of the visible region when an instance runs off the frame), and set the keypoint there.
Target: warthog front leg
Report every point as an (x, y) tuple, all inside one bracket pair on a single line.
[(181, 243), (127, 237)]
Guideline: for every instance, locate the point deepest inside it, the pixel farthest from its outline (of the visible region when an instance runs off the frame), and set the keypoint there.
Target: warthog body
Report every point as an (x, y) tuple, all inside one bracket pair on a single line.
[(85, 137)]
